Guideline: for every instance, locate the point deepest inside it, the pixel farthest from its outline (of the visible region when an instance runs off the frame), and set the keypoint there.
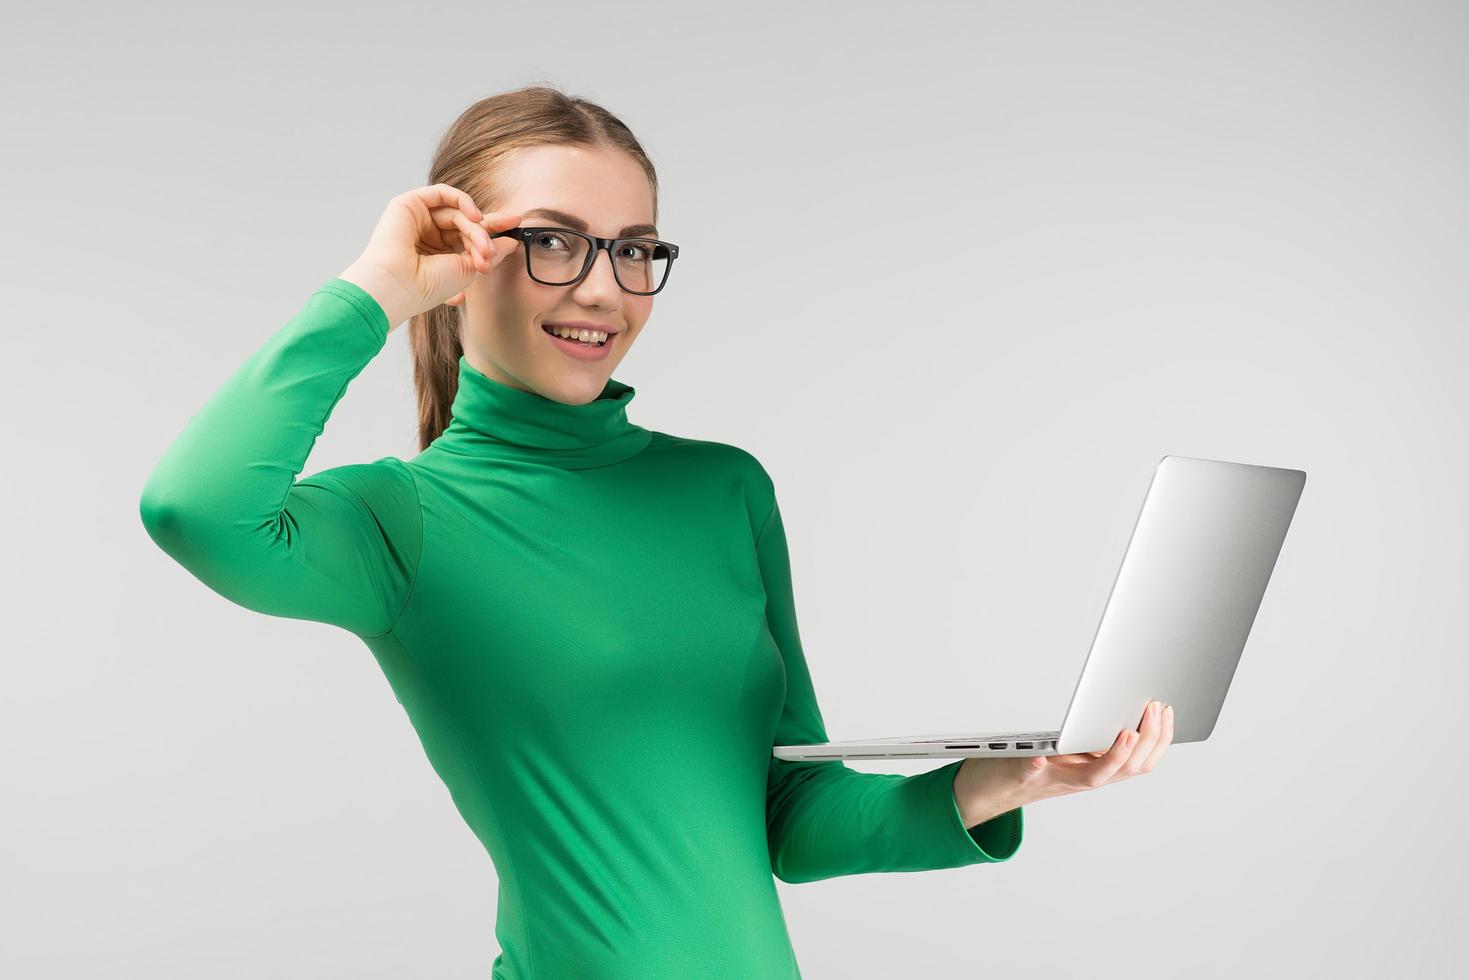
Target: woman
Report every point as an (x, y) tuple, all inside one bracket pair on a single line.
[(589, 624)]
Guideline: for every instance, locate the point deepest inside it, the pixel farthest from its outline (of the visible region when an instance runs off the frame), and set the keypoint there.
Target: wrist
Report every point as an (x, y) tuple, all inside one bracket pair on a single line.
[(978, 794), (383, 289)]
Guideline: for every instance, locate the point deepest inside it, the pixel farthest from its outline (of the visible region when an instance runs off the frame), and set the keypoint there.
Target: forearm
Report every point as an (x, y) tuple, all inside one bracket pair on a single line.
[(824, 820)]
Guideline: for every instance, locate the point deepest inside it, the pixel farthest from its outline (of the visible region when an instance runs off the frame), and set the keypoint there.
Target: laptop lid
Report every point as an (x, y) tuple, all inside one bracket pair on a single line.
[(1185, 597)]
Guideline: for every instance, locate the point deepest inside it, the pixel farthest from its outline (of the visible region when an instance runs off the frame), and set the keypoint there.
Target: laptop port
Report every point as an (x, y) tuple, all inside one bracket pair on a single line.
[(975, 746), (999, 746), (1024, 745)]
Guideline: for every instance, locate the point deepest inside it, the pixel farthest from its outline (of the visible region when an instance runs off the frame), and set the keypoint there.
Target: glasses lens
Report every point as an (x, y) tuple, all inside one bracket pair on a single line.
[(642, 264), (556, 258)]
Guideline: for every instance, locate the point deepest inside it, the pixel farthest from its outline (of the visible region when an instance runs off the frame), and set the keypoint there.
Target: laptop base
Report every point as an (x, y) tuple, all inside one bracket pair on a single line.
[(954, 746)]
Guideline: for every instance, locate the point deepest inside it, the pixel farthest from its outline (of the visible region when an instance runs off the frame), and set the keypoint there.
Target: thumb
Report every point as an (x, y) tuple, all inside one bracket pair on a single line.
[(447, 273)]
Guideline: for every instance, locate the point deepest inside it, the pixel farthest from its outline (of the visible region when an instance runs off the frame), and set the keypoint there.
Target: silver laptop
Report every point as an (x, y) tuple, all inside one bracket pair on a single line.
[(1173, 628)]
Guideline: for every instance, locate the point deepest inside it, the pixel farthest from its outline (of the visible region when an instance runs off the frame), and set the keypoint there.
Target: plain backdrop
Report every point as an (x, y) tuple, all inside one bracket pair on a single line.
[(958, 274)]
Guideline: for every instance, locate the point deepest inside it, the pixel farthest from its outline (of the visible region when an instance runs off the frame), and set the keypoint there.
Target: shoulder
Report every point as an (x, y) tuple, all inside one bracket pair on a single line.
[(730, 466), (706, 456)]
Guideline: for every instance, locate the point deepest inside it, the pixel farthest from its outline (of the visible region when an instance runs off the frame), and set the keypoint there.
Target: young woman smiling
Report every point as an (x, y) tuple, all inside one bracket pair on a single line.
[(590, 624)]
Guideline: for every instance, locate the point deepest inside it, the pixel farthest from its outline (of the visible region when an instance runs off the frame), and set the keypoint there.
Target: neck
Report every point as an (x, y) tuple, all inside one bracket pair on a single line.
[(493, 419)]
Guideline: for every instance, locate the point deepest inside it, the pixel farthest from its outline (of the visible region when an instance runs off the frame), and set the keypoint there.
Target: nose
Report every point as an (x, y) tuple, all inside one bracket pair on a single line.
[(600, 281)]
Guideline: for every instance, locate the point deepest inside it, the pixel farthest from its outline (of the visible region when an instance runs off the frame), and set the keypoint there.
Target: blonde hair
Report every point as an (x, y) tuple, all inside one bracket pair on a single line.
[(469, 157)]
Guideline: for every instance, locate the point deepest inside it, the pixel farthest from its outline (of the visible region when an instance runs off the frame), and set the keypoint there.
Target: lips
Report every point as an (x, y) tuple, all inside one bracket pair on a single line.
[(579, 351)]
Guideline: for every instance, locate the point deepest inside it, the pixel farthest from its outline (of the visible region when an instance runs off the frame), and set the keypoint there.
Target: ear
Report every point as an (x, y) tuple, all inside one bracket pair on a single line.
[(455, 300)]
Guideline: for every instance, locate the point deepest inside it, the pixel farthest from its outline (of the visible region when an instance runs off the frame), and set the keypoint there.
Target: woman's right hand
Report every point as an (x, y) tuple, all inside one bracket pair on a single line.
[(428, 246)]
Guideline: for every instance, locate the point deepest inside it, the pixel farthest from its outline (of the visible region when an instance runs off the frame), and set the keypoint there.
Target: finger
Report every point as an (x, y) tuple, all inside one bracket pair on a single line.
[(447, 195), (436, 228), (1075, 759), (1105, 768), (424, 202), (502, 220), (476, 229), (1147, 738), (1165, 739), (1096, 768), (476, 241), (504, 244), (452, 229)]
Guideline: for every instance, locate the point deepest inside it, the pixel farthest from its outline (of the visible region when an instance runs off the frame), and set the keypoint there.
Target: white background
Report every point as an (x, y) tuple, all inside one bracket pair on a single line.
[(1024, 251)]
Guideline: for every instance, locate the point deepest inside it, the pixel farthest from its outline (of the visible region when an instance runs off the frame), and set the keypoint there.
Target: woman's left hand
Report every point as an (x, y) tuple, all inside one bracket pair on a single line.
[(986, 788)]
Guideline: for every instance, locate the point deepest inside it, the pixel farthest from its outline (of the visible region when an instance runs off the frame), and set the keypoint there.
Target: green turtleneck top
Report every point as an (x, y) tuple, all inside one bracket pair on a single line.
[(589, 624)]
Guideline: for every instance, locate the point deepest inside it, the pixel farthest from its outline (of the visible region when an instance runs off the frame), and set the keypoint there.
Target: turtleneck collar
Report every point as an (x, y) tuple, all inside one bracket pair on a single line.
[(496, 420)]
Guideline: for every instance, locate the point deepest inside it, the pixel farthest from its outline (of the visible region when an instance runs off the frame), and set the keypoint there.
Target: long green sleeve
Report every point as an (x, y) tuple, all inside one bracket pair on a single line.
[(590, 626), (338, 547), (826, 819)]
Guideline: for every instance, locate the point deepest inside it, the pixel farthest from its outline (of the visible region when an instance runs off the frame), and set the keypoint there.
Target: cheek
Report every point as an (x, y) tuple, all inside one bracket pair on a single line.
[(499, 320), (511, 299), (636, 310)]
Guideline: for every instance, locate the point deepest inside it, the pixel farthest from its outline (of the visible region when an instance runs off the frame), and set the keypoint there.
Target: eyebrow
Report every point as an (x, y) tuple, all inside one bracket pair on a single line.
[(572, 221)]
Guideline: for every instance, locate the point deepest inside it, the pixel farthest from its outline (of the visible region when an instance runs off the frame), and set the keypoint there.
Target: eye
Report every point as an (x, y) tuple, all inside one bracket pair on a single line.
[(636, 251), (555, 239)]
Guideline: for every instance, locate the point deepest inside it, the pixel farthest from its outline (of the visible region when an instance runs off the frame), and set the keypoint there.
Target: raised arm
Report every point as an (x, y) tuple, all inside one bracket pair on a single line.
[(338, 547), (341, 546), (824, 819)]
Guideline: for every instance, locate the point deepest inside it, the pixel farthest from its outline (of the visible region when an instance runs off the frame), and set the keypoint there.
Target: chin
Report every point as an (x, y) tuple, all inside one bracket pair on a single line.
[(579, 387)]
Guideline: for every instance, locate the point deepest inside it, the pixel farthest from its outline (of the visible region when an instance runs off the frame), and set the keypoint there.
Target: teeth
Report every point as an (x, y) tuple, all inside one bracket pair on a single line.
[(586, 336)]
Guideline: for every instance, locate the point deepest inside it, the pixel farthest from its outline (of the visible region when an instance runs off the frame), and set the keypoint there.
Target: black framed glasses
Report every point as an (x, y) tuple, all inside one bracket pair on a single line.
[(562, 257)]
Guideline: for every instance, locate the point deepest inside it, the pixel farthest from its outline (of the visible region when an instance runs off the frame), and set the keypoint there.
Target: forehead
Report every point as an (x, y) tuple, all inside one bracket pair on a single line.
[(601, 190)]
